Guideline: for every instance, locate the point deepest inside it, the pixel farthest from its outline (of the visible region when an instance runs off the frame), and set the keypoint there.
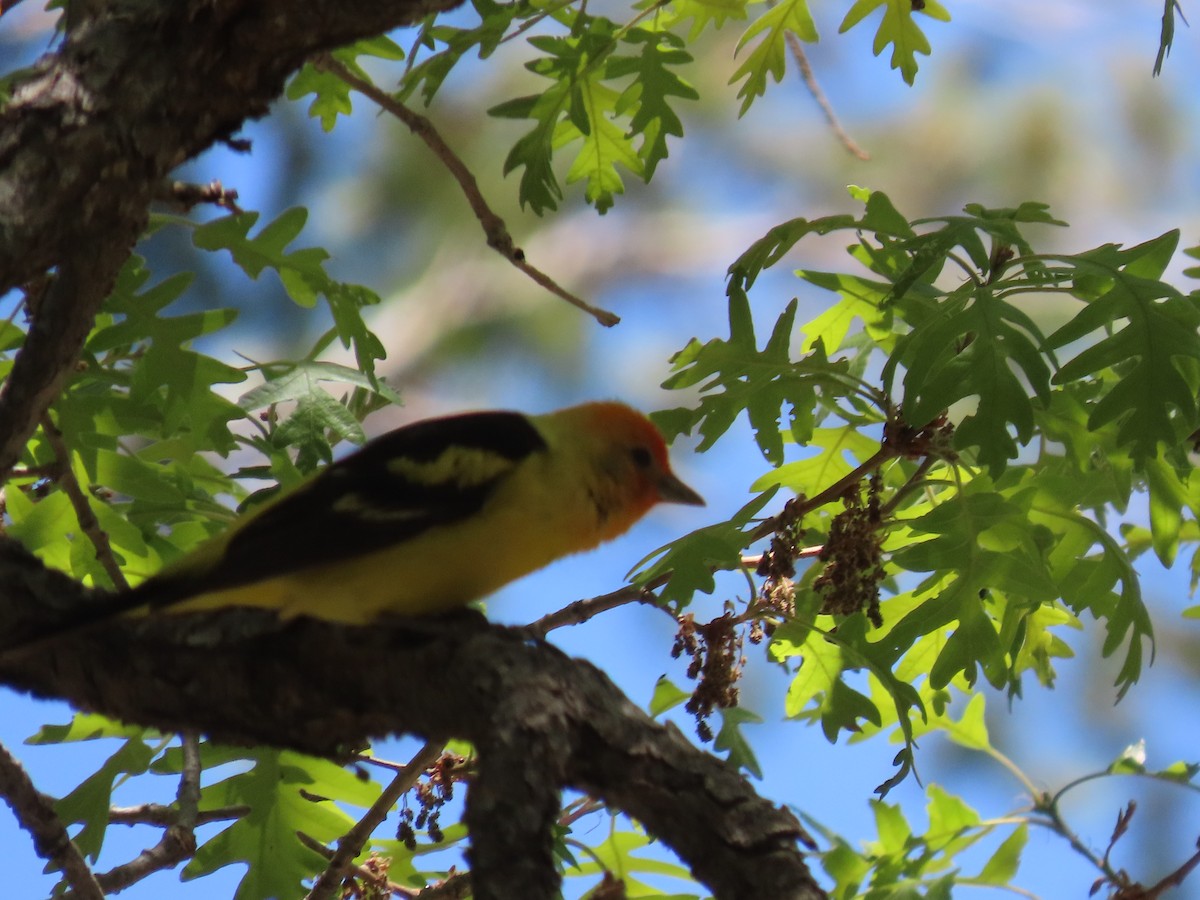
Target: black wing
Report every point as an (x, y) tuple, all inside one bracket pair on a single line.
[(377, 496)]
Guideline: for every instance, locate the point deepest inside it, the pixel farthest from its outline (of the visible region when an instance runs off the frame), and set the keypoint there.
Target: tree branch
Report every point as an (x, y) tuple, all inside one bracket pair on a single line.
[(88, 137), (65, 476), (541, 722), (35, 813), (353, 841), (498, 237), (163, 816), (818, 95)]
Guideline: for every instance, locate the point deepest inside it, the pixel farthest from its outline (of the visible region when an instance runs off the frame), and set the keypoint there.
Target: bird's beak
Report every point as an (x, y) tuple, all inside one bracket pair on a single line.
[(672, 490)]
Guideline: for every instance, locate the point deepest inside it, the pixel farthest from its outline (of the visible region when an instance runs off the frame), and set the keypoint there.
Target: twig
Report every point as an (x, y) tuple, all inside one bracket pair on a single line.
[(1175, 879), (753, 562), (380, 762), (187, 195), (913, 483), (179, 839), (188, 794), (828, 495), (536, 19), (1048, 806), (1124, 818), (65, 476), (363, 872), (352, 842), (164, 816), (583, 610), (493, 226), (455, 886), (814, 89), (585, 806), (35, 813)]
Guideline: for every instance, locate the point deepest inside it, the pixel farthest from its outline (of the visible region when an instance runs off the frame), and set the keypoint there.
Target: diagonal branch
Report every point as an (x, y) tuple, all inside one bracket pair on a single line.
[(541, 721), (818, 95), (352, 842), (494, 228), (35, 813), (65, 476)]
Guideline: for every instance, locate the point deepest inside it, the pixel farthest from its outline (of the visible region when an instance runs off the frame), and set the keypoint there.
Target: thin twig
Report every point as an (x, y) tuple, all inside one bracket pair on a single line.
[(164, 816), (179, 839), (65, 476), (169, 852), (829, 494), (375, 878), (581, 611), (455, 886), (536, 19), (914, 482), (352, 842), (35, 813), (1174, 879), (814, 89), (188, 794), (186, 195), (585, 806), (493, 226), (753, 562), (380, 762), (1054, 820)]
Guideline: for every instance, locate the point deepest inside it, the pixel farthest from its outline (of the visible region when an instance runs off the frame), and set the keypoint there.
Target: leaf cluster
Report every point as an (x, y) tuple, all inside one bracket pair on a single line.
[(147, 408), (608, 92), (1000, 454)]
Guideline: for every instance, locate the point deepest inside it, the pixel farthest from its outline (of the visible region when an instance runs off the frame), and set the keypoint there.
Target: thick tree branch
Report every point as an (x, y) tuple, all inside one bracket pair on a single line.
[(133, 91), (540, 720)]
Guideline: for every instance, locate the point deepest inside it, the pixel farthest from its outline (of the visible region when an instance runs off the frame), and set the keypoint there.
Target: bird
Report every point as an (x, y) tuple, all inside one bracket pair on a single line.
[(430, 517)]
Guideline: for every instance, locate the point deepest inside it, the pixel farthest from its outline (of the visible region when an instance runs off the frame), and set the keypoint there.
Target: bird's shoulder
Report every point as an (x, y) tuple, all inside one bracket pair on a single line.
[(446, 454)]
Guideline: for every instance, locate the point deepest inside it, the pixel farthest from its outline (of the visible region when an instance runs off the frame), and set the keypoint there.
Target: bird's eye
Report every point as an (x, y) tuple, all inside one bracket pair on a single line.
[(641, 457)]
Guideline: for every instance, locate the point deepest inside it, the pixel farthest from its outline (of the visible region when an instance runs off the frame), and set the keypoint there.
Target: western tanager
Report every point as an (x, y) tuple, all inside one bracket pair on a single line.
[(431, 516)]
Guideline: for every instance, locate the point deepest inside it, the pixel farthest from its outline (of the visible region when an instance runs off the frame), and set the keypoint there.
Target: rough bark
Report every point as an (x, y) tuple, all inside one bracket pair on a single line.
[(541, 721)]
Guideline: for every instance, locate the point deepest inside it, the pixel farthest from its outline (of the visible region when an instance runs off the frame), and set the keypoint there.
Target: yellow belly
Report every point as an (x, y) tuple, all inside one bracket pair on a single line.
[(439, 571)]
